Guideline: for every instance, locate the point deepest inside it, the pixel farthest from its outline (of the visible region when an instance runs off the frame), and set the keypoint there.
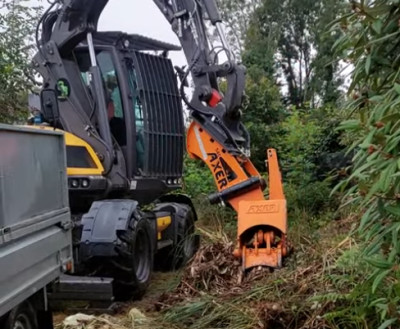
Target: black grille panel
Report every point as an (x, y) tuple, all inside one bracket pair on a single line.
[(163, 116)]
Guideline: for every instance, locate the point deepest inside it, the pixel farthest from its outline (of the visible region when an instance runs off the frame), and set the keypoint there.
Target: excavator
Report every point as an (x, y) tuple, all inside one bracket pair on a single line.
[(117, 100)]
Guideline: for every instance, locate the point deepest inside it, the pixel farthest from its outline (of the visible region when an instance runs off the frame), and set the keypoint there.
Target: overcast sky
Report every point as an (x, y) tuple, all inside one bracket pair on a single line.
[(137, 16)]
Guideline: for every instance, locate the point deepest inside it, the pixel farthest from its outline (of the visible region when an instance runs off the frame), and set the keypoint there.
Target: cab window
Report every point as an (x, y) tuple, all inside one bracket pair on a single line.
[(139, 117), (112, 91)]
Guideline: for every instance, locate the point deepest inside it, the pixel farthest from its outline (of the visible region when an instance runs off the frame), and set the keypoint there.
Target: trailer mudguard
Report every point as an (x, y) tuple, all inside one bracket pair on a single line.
[(101, 224)]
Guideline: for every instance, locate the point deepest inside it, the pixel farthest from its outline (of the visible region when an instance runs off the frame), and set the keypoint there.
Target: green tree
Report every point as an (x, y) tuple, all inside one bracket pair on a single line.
[(262, 113), (17, 26), (236, 15), (287, 38), (324, 80), (263, 108)]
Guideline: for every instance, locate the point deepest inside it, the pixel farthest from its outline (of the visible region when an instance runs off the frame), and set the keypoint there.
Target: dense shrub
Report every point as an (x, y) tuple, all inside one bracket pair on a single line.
[(370, 41)]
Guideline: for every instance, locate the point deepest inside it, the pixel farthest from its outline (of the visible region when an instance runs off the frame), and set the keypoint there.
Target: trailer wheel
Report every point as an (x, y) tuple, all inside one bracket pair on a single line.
[(22, 317), (134, 265)]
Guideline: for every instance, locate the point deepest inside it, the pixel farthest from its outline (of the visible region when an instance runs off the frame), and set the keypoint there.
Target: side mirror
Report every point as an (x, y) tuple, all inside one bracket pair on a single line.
[(49, 106)]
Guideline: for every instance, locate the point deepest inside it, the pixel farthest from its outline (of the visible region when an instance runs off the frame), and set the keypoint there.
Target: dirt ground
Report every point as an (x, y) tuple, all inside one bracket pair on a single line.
[(160, 284), (210, 283)]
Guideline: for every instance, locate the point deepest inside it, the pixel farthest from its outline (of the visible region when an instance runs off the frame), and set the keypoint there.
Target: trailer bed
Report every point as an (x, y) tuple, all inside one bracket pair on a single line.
[(35, 224)]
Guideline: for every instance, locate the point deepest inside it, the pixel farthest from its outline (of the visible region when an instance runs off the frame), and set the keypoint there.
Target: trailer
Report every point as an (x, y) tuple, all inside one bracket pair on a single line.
[(35, 224)]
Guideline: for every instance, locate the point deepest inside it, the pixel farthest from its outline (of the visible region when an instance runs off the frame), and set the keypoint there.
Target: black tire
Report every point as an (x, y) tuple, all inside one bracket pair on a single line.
[(21, 317), (133, 267), (185, 246)]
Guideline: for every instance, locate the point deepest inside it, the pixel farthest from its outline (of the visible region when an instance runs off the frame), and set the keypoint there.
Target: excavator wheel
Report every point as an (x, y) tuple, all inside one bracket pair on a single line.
[(133, 267), (185, 246)]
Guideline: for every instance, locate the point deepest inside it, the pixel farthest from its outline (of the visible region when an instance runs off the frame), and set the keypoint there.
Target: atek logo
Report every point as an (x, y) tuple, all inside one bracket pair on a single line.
[(263, 209), (218, 170)]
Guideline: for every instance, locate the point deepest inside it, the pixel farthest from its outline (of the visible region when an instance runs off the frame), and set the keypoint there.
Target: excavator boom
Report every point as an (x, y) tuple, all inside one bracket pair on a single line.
[(218, 138)]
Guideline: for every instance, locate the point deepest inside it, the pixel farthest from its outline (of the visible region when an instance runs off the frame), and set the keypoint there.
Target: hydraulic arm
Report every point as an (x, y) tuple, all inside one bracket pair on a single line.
[(216, 135)]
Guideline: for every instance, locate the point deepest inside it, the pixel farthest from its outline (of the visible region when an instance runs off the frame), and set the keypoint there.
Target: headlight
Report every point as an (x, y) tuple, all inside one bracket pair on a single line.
[(169, 181), (175, 181), (85, 183), (75, 183)]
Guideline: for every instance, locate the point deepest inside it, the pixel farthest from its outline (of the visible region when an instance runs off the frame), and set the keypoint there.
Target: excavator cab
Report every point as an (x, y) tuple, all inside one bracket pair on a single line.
[(144, 116)]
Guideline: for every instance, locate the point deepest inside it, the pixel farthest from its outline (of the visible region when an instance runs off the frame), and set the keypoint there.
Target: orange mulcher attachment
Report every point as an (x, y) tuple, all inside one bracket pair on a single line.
[(262, 224)]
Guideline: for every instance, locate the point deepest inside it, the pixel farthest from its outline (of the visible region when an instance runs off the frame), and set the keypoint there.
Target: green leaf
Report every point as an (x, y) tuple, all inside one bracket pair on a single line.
[(373, 190), (349, 125), (379, 263), (365, 166), (377, 26), (386, 37), (368, 139), (391, 117), (365, 218), (339, 41), (378, 301), (377, 10), (387, 323), (378, 279), (393, 210), (387, 175), (376, 98), (397, 88), (368, 64), (392, 144)]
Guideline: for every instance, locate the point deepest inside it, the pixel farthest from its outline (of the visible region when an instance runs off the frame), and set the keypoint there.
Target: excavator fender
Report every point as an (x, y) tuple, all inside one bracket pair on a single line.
[(179, 198), (181, 232), (102, 223)]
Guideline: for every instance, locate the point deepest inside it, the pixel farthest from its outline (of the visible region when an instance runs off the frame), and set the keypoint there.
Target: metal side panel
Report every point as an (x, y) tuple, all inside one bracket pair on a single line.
[(33, 177), (30, 263), (35, 234)]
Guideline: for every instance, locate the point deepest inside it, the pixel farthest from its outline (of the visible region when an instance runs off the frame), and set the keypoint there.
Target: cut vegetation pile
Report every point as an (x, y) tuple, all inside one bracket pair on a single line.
[(213, 270), (301, 295)]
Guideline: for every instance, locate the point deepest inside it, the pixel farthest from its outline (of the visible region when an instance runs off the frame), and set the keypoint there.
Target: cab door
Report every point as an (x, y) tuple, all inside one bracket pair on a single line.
[(138, 118), (116, 102)]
